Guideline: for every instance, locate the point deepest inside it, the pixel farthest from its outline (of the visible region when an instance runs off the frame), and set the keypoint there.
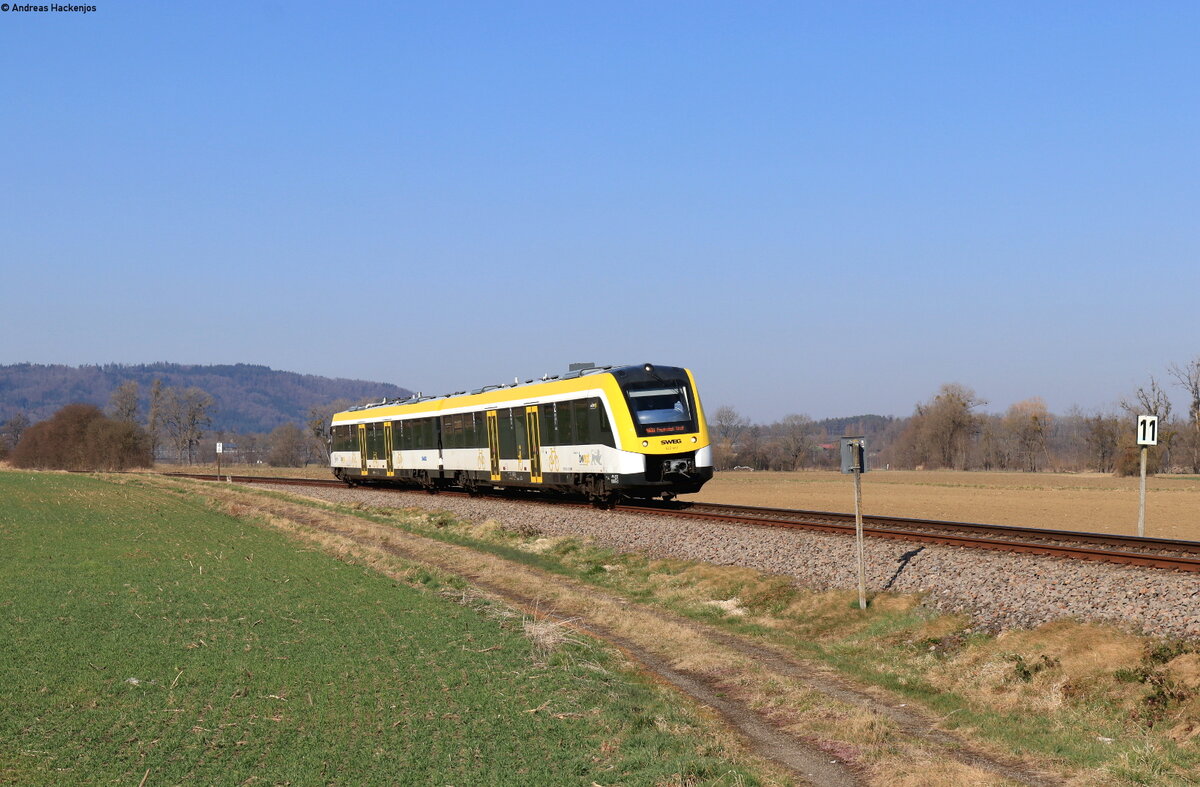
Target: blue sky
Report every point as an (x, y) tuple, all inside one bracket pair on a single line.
[(824, 208)]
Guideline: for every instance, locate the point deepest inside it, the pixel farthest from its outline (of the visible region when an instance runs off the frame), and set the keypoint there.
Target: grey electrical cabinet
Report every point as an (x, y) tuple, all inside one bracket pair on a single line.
[(854, 454)]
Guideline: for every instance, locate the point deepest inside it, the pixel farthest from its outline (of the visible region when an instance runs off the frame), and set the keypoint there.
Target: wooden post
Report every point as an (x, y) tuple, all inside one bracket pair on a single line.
[(858, 536)]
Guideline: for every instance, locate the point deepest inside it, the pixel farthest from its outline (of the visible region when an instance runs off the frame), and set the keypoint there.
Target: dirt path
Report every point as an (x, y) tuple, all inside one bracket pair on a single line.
[(728, 674)]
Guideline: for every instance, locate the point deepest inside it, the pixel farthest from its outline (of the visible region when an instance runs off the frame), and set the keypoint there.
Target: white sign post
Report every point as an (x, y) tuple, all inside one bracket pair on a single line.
[(1147, 435), (220, 450)]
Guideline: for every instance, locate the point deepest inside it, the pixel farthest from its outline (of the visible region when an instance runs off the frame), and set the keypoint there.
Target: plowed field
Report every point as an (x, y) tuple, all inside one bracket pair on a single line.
[(1061, 501)]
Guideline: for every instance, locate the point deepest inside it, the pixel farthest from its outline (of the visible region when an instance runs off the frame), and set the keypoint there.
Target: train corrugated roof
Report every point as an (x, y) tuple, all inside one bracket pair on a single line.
[(419, 397)]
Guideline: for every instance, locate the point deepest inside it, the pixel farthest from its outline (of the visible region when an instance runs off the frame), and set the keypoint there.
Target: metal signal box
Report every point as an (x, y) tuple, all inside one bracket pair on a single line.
[(854, 454)]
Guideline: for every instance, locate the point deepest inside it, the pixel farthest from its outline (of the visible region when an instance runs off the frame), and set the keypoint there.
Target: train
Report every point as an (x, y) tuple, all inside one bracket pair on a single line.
[(604, 432)]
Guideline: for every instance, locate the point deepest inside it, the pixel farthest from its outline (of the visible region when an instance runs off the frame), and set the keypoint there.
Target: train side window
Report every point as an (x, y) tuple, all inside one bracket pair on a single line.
[(481, 440), (598, 422), (375, 440), (508, 442), (566, 421), (469, 436), (546, 424), (579, 414), (606, 432), (522, 439)]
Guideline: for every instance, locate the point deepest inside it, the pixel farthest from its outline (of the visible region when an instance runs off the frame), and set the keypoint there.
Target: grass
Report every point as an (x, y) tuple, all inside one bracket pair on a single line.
[(147, 637), (1105, 705)]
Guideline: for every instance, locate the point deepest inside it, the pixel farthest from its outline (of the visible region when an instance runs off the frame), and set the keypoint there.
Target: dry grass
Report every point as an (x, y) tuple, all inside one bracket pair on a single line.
[(1063, 501), (846, 730), (1084, 677)]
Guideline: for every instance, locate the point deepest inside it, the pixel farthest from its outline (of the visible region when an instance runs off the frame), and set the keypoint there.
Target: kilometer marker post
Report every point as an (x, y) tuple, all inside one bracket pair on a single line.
[(1147, 435), (854, 460)]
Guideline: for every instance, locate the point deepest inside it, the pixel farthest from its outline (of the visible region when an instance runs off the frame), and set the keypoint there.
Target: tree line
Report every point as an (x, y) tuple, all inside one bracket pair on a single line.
[(950, 431), (174, 426)]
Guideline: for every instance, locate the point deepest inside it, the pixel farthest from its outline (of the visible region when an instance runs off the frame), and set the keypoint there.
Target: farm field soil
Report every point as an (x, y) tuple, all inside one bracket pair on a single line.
[(1059, 501), (147, 637)]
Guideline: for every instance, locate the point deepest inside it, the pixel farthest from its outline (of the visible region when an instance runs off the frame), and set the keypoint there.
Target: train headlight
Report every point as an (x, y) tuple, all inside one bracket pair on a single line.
[(693, 439), (645, 444)]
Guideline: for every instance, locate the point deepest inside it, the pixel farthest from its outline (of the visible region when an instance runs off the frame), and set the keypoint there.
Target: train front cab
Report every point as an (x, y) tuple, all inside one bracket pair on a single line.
[(666, 429)]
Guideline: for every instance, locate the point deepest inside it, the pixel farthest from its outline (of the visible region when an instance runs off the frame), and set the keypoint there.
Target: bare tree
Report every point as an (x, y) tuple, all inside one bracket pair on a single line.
[(319, 418), (11, 431), (941, 430), (1027, 423), (1149, 401), (1153, 401), (727, 426), (184, 415), (289, 446), (1188, 376), (123, 405), (795, 439), (1103, 437), (154, 420)]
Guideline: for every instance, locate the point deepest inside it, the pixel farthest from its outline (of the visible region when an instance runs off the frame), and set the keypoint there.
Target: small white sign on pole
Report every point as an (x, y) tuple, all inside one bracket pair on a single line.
[(220, 448), (1147, 435), (1147, 430)]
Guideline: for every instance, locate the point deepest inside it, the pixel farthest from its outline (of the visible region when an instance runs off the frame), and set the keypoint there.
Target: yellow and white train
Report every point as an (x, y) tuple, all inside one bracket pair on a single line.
[(631, 431)]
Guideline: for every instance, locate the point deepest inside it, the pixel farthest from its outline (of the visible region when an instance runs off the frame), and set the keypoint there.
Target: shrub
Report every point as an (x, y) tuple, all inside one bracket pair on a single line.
[(80, 437)]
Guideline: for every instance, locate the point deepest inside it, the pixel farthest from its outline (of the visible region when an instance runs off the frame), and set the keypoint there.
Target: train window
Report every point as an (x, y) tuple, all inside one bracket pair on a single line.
[(659, 408), (479, 431), (579, 417), (375, 446), (468, 430), (566, 424), (450, 431), (508, 440), (549, 435), (519, 435), (606, 429), (600, 427)]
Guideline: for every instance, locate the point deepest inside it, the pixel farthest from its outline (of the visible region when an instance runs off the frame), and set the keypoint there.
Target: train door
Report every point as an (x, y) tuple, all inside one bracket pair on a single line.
[(362, 447), (387, 446), (493, 433), (533, 434)]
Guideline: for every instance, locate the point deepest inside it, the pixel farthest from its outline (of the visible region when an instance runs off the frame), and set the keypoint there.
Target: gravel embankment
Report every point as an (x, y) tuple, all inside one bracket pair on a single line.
[(1000, 590)]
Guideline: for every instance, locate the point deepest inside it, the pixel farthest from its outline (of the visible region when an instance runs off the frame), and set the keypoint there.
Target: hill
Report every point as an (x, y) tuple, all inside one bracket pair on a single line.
[(248, 398)]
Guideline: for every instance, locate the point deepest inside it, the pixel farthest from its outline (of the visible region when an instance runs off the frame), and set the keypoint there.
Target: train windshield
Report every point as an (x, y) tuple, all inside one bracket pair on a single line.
[(661, 409)]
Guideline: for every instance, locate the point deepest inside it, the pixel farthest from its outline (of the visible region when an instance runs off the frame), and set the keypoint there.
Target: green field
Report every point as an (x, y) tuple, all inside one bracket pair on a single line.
[(146, 637)]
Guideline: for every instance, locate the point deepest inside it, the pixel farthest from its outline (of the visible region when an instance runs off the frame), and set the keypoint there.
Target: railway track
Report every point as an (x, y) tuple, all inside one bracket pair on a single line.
[(1161, 553)]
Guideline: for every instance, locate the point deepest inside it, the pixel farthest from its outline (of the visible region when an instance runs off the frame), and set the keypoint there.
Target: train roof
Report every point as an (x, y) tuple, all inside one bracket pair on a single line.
[(574, 373)]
